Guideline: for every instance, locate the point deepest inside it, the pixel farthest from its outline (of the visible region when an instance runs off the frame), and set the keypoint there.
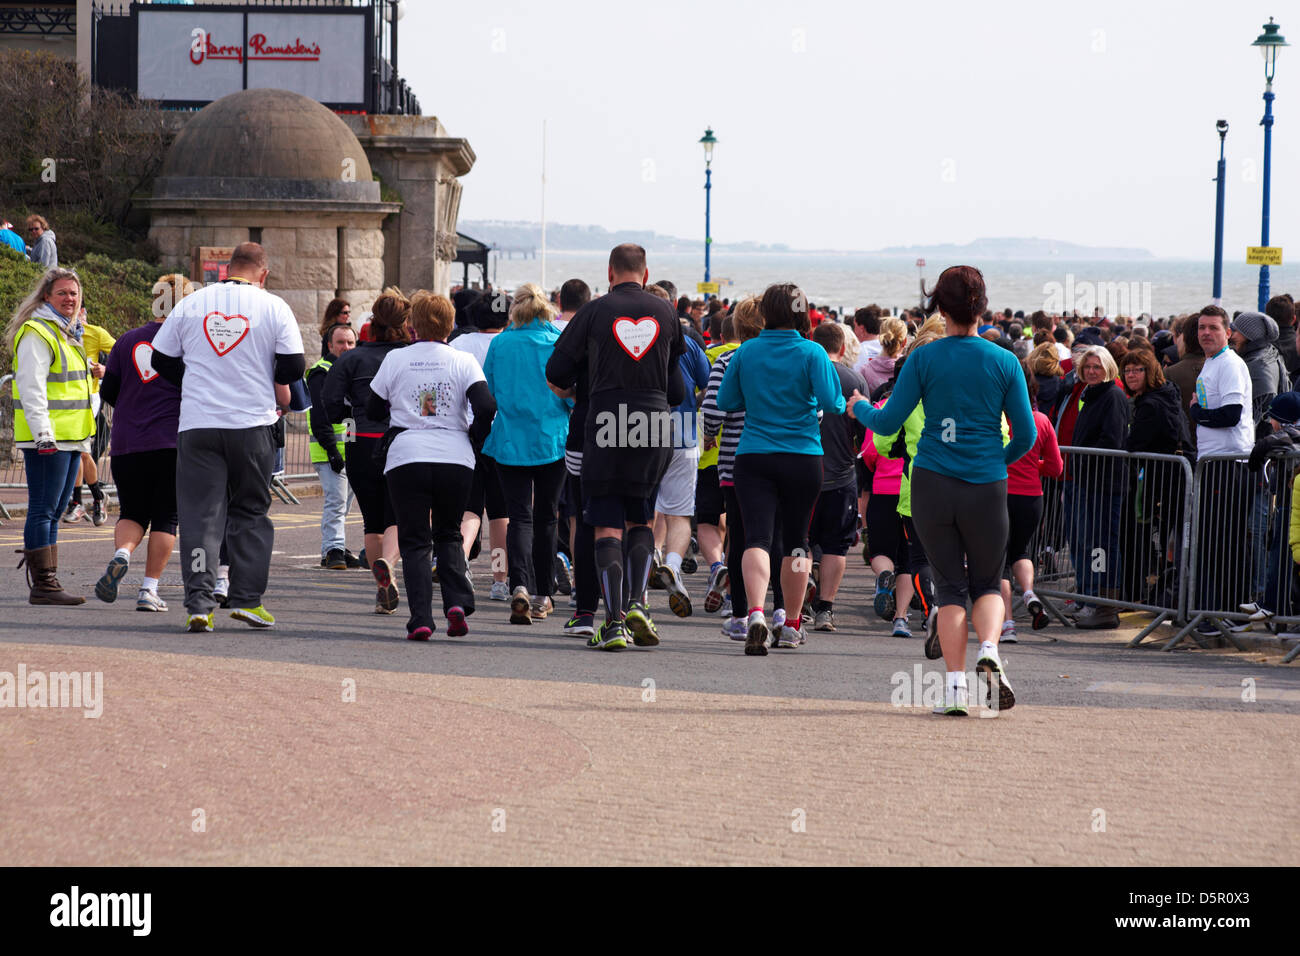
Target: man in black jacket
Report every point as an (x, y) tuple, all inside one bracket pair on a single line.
[(327, 457)]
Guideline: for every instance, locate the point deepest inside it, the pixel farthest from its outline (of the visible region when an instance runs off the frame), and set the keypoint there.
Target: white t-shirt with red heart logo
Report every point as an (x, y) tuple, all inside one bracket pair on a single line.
[(228, 333)]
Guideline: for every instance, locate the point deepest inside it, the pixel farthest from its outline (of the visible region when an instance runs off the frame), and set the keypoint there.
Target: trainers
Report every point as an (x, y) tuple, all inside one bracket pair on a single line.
[(778, 620), (1256, 611), (1209, 627), (221, 591), (500, 591), (539, 608), (581, 625), (521, 606), (901, 628), (98, 515), (1008, 633), (198, 623), (756, 635), (563, 574), (933, 649), (456, 623), (148, 600), (335, 560), (642, 627), (1040, 618), (717, 593), (106, 586), (253, 616), (612, 636), (809, 592), (884, 602), (362, 560), (74, 513), (678, 600), (654, 570), (824, 621), (351, 560), (734, 628), (991, 664), (386, 596), (726, 610), (420, 634), (689, 564), (956, 702), (789, 637)]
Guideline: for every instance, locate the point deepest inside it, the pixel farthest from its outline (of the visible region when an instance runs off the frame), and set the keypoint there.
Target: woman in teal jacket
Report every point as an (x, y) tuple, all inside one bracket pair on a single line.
[(527, 443)]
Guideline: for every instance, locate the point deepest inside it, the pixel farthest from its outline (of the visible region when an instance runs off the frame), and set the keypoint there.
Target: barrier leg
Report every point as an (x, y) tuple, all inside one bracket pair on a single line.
[(1292, 654), (1187, 629), (1142, 635), (4, 512), (282, 491), (1047, 603)]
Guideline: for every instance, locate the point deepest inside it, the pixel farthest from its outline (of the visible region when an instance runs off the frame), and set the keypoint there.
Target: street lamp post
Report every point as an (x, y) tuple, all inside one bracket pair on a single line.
[(1269, 43), (1222, 127), (708, 141)]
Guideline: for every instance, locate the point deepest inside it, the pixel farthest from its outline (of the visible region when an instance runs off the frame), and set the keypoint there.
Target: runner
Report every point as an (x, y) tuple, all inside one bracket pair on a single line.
[(326, 456), (960, 473), (710, 506)]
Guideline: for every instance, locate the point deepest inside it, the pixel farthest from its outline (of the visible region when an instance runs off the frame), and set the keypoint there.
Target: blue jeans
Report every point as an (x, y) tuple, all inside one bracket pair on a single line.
[(338, 500), (1093, 519), (50, 479)]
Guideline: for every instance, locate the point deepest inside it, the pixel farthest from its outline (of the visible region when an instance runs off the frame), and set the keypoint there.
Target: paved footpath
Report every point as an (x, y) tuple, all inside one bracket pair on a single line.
[(332, 740)]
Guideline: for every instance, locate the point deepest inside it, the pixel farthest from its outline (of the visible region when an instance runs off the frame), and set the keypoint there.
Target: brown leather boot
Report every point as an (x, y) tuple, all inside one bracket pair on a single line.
[(42, 577)]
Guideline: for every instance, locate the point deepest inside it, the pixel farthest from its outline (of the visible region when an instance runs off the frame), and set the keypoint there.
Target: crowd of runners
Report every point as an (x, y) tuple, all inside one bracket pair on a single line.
[(619, 442)]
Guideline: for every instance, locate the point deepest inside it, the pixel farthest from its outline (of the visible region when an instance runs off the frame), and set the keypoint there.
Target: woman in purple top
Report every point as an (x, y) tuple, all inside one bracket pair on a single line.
[(146, 412)]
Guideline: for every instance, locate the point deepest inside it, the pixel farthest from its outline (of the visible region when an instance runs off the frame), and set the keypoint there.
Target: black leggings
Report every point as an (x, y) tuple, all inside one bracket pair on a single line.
[(735, 554), (964, 529), (367, 481), (416, 490), (1024, 513), (146, 488), (532, 501), (778, 486)]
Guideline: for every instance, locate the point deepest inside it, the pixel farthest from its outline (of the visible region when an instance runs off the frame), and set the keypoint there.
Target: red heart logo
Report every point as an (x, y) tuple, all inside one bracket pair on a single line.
[(142, 356), (636, 336), (223, 331)]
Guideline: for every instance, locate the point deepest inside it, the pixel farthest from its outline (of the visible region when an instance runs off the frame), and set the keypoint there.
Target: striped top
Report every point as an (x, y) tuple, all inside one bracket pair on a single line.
[(730, 424)]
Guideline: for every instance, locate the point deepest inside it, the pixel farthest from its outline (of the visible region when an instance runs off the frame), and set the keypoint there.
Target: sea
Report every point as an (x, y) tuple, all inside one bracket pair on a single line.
[(846, 281)]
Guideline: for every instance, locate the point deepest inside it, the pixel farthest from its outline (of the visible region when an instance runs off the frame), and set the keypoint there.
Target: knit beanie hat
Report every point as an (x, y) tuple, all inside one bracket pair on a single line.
[(1255, 326), (1285, 407)]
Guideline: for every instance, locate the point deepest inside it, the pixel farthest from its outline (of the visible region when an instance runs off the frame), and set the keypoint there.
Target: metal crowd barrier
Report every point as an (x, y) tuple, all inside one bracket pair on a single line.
[(1115, 533)]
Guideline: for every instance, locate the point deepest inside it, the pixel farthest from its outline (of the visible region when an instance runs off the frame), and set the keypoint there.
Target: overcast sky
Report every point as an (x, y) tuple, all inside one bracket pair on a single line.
[(858, 126)]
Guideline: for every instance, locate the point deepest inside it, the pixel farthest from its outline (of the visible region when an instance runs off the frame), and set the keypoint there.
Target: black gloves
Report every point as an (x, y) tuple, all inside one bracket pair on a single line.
[(335, 459)]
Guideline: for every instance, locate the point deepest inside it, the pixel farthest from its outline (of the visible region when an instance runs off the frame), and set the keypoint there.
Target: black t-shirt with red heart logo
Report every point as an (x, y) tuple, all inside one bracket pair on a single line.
[(628, 341)]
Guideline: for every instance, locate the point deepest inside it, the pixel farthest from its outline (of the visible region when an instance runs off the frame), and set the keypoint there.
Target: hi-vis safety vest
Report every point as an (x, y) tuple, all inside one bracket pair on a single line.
[(317, 452), (67, 387)]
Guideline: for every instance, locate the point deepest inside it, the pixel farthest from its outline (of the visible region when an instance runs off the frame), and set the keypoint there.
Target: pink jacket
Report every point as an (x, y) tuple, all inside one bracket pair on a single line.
[(889, 471)]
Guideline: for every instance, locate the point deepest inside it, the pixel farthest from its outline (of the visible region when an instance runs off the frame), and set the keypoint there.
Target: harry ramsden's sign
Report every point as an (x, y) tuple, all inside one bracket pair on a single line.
[(204, 48)]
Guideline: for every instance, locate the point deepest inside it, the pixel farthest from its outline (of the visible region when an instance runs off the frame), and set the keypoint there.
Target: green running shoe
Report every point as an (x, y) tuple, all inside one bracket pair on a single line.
[(253, 616), (642, 627), (198, 623), (612, 636)]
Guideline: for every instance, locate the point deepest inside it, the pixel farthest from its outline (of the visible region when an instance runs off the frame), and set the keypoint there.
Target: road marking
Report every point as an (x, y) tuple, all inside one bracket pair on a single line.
[(1191, 690)]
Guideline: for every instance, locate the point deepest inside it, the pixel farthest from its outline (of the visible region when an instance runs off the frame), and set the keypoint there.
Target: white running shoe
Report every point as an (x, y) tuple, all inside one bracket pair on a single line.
[(757, 635), (669, 580), (148, 600), (956, 701), (500, 591), (991, 664)]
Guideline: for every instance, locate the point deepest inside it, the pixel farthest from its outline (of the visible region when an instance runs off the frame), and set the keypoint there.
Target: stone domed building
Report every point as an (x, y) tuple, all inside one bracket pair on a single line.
[(283, 170)]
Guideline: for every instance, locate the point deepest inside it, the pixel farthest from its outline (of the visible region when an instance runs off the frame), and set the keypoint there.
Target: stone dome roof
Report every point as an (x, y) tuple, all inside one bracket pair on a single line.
[(267, 144)]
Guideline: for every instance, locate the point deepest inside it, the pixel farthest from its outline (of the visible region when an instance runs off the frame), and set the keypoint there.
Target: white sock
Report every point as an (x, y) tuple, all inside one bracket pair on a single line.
[(988, 646), (1029, 596), (150, 584), (674, 561), (223, 570), (124, 554), (956, 678)]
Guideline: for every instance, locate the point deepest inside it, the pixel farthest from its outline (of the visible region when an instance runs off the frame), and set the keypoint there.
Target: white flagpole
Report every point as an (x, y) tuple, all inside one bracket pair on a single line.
[(543, 205)]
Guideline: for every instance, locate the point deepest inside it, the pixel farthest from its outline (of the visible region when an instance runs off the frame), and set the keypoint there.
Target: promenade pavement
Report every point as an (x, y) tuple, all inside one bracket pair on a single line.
[(332, 740)]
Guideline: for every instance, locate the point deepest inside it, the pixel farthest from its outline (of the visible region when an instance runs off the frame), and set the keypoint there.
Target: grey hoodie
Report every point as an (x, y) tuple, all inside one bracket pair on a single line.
[(1268, 375), (45, 251)]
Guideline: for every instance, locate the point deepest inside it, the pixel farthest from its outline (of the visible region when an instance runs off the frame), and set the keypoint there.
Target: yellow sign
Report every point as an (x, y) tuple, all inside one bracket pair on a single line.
[(706, 288), (1263, 255)]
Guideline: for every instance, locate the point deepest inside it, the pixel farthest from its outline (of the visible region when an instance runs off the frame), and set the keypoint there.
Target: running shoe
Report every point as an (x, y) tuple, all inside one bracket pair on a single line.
[(991, 664), (678, 600), (148, 600), (74, 513), (335, 560), (778, 622), (1072, 607), (1009, 633), (386, 596), (1035, 608), (540, 608), (521, 606), (933, 650), (719, 580), (756, 635), (456, 623), (420, 634), (726, 610), (363, 561), (253, 616), (735, 628), (581, 625), (198, 623), (500, 591), (642, 627), (106, 586), (612, 636), (563, 574), (901, 627), (956, 702), (1256, 611), (824, 620), (351, 560), (654, 570), (809, 592), (689, 564), (789, 637), (97, 513), (221, 591), (884, 602)]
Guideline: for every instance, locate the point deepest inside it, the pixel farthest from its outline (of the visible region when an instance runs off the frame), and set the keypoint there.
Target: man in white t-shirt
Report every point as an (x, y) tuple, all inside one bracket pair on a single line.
[(866, 328), (1221, 410), (227, 346)]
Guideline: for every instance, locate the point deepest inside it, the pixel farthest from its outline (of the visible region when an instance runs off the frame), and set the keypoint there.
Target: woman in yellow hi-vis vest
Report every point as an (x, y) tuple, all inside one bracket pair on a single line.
[(53, 421)]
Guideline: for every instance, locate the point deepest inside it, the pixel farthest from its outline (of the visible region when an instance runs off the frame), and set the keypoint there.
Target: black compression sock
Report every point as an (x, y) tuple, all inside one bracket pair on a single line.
[(97, 491), (76, 494), (609, 569), (819, 605), (640, 555)]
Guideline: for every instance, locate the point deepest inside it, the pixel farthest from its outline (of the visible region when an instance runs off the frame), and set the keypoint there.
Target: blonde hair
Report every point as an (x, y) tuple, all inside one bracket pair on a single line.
[(852, 350), (746, 319), (33, 302), (893, 336), (1043, 360), (1103, 355), (933, 330), (530, 303), (432, 316), (167, 291)]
